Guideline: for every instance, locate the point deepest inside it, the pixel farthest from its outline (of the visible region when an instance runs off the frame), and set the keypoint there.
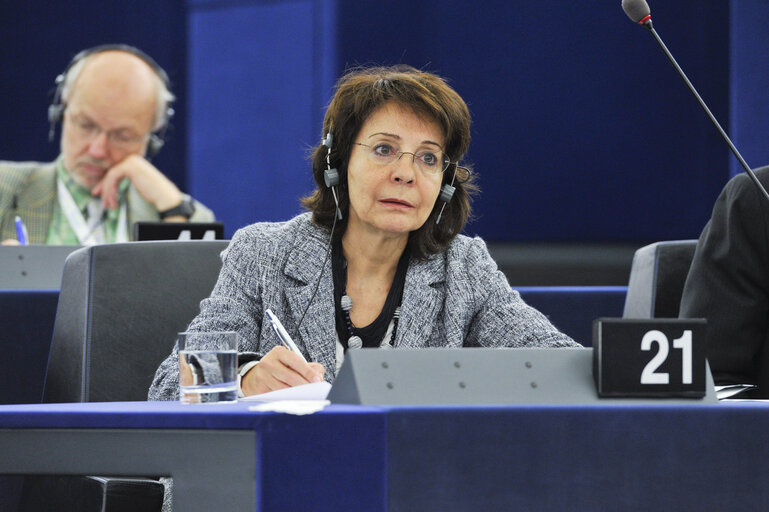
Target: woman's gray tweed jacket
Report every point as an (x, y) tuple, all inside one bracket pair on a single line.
[(454, 299)]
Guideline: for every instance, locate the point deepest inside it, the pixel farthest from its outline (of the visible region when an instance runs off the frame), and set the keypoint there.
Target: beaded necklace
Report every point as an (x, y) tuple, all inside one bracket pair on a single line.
[(373, 334), (355, 341)]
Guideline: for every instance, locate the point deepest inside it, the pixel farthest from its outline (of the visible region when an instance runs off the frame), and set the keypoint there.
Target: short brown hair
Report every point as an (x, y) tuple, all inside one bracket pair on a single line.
[(359, 93)]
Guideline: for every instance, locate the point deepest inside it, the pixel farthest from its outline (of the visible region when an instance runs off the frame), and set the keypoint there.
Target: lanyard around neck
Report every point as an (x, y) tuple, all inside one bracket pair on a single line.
[(89, 233)]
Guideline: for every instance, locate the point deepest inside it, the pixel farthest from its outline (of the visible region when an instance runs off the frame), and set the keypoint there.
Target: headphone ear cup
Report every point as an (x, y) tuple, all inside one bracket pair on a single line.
[(55, 113), (154, 145), (331, 177), (447, 192)]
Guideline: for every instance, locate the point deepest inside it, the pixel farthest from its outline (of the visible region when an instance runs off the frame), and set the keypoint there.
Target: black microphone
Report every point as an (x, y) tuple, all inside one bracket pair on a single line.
[(638, 11)]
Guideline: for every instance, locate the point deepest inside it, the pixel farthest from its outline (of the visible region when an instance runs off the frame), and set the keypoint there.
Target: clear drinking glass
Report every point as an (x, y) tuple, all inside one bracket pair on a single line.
[(208, 367)]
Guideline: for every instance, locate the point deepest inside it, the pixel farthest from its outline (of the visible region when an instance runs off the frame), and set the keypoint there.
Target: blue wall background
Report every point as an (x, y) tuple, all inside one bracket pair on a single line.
[(582, 130)]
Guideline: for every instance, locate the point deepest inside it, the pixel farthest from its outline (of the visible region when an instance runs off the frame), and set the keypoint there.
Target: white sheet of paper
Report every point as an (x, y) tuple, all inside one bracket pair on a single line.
[(730, 390), (296, 407), (315, 391)]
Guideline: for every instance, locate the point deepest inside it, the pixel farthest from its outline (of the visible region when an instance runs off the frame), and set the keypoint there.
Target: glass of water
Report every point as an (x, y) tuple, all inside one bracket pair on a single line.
[(208, 367)]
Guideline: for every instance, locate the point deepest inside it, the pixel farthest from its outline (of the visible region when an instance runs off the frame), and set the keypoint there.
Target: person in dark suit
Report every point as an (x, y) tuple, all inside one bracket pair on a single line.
[(728, 284), (392, 192)]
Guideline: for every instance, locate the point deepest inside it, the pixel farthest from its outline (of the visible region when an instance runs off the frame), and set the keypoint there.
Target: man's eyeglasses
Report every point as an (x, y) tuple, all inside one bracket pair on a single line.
[(429, 161), (122, 138)]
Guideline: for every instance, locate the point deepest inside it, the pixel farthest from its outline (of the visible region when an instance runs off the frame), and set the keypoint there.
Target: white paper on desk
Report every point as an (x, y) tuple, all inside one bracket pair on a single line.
[(314, 391), (728, 391), (297, 407)]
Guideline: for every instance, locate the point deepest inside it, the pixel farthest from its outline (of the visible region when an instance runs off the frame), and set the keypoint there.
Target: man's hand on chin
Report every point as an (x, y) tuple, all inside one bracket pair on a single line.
[(148, 181)]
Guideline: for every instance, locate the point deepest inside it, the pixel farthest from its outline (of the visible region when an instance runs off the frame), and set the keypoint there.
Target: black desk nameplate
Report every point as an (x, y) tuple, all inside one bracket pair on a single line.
[(159, 230), (658, 357)]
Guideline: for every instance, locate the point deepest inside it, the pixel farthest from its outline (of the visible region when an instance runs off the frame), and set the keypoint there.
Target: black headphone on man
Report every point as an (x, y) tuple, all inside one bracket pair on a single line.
[(331, 179), (56, 108)]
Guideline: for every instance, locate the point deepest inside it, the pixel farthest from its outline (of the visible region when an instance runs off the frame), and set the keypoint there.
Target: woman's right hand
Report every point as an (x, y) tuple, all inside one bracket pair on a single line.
[(279, 369)]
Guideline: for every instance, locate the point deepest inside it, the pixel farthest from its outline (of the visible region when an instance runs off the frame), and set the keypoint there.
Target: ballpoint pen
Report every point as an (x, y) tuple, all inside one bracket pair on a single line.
[(21, 231), (285, 339)]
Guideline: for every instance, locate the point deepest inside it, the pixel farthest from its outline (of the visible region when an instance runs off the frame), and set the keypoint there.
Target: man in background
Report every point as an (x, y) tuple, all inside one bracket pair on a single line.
[(114, 104), (728, 283)]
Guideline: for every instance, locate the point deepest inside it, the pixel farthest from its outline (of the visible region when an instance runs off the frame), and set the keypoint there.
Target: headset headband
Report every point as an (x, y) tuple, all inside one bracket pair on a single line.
[(56, 108), (121, 48)]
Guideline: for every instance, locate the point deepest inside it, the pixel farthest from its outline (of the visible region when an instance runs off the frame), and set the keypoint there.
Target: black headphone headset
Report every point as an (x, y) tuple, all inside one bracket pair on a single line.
[(56, 108), (331, 178), (446, 193)]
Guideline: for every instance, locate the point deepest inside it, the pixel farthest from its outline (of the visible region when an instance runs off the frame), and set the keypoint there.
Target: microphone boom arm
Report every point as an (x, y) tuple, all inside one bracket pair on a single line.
[(648, 25)]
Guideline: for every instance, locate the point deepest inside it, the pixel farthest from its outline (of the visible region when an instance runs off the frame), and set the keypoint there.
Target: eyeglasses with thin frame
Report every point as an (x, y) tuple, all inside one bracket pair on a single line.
[(429, 161), (87, 129)]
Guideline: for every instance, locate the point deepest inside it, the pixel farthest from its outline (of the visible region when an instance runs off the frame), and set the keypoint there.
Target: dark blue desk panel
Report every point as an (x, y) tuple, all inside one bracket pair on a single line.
[(572, 309), (587, 459), (26, 327), (543, 458), (329, 461)]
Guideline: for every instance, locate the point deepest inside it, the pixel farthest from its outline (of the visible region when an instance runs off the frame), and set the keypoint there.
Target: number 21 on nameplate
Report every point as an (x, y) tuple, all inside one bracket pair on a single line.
[(653, 357), (650, 374)]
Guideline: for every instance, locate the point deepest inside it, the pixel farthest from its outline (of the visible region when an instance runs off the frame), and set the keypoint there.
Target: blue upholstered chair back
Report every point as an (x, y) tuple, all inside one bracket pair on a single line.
[(657, 278)]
